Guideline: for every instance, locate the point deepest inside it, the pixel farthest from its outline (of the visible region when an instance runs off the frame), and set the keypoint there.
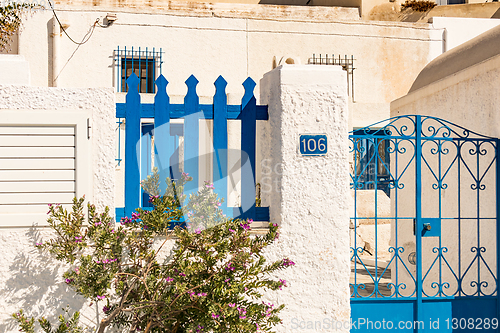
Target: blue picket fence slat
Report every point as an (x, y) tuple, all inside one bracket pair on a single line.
[(163, 141), (248, 135), (132, 137), (220, 141), (166, 136), (191, 136)]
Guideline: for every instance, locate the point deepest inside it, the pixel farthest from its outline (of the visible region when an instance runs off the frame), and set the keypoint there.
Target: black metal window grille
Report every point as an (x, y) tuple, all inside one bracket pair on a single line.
[(347, 63), (146, 64)]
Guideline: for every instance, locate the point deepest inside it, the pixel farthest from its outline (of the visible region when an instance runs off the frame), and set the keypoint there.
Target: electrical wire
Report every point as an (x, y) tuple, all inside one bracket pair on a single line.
[(85, 39)]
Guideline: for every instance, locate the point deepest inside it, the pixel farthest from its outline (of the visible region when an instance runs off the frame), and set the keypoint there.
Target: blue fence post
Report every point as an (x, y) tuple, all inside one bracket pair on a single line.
[(132, 139), (220, 141), (163, 141), (191, 135), (248, 136)]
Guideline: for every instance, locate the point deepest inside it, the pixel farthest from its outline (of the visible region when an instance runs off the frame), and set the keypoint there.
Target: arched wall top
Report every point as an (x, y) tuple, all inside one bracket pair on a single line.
[(470, 53)]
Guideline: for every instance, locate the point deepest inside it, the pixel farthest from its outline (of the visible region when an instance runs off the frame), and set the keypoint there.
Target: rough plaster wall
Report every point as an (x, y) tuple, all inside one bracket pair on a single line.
[(312, 202), (28, 279)]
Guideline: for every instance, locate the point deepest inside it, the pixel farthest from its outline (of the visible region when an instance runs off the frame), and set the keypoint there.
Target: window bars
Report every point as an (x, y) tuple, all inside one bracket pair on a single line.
[(346, 62), (146, 64)]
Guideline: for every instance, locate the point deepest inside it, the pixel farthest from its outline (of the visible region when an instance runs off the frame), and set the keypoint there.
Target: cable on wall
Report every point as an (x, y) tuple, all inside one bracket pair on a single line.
[(87, 36)]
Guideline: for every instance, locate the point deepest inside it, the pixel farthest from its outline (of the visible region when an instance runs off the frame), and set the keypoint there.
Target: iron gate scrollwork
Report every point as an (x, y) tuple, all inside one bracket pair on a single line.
[(424, 215)]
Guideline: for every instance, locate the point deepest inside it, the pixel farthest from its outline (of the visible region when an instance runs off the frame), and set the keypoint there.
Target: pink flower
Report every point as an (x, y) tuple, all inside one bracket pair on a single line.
[(288, 262), (169, 279), (101, 297), (245, 226), (198, 231), (231, 230), (232, 305), (210, 186), (182, 274), (202, 294), (242, 312), (219, 204), (283, 283), (214, 316)]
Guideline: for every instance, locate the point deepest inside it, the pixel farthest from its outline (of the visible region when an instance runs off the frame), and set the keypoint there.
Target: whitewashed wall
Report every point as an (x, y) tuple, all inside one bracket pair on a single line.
[(311, 199), (30, 280), (235, 41), (458, 30)]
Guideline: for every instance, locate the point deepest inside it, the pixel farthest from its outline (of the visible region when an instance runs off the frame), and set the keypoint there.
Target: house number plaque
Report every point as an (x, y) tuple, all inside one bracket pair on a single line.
[(313, 144)]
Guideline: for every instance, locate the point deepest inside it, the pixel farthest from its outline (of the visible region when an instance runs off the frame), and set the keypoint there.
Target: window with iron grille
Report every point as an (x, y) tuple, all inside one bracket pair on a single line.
[(146, 64), (373, 160)]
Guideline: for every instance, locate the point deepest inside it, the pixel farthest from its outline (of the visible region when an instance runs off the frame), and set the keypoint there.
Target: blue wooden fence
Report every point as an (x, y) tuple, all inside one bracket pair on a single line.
[(166, 141)]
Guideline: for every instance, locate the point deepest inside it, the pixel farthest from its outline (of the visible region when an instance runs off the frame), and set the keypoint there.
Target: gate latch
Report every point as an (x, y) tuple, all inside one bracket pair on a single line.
[(431, 227)]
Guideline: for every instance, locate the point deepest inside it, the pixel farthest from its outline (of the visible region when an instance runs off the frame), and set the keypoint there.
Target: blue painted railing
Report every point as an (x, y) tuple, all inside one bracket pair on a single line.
[(166, 141)]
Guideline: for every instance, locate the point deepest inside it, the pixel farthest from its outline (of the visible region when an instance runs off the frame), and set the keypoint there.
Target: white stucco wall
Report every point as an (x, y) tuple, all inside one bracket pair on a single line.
[(458, 30), (235, 41), (15, 69), (30, 280), (467, 98), (311, 203)]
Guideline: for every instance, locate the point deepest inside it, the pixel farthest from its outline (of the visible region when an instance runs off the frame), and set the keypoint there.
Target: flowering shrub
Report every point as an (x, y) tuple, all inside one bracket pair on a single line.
[(67, 324), (211, 282)]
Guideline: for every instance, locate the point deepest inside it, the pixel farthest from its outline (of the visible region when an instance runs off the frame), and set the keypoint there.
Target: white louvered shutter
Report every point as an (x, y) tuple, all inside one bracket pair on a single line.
[(40, 163)]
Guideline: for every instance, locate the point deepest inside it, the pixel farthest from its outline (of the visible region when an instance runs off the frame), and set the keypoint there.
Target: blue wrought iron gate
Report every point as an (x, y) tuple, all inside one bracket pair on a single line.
[(424, 227)]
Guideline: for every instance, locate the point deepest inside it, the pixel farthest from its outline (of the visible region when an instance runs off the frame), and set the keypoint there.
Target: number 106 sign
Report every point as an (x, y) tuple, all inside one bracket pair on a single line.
[(313, 144)]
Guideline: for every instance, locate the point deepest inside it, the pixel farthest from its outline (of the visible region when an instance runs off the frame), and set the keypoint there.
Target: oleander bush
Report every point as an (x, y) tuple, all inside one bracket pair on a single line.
[(211, 281)]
